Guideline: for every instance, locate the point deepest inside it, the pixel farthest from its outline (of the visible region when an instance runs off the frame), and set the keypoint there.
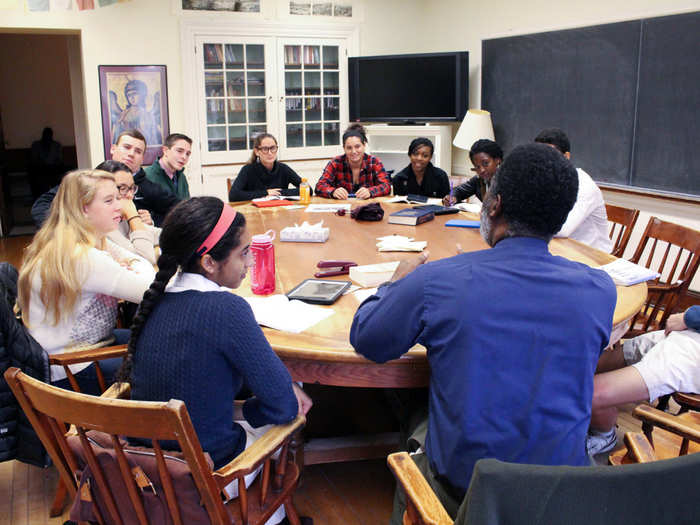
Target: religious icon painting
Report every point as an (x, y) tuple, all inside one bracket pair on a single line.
[(134, 97)]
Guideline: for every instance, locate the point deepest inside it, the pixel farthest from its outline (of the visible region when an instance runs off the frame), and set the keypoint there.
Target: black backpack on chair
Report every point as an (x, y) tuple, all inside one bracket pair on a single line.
[(17, 348)]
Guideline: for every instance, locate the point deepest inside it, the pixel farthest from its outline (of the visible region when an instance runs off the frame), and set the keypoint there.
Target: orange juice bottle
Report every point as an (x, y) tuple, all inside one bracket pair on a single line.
[(304, 192)]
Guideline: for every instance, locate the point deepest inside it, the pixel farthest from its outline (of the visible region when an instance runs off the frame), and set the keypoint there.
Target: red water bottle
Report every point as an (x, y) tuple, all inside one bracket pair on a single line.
[(262, 274)]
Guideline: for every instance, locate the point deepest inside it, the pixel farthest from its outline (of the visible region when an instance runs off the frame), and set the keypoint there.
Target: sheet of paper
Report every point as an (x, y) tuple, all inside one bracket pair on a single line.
[(626, 273), (364, 293), (327, 208), (278, 312), (469, 207)]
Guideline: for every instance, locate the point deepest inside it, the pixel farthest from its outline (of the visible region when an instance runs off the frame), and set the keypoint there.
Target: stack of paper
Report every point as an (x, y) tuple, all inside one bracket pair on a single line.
[(277, 198), (373, 274), (278, 312), (400, 243), (405, 198), (625, 273)]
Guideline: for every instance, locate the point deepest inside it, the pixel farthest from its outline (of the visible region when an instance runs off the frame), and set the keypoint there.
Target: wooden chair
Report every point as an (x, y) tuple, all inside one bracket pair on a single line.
[(687, 401), (48, 408), (663, 436), (677, 250), (502, 492), (623, 221), (229, 183)]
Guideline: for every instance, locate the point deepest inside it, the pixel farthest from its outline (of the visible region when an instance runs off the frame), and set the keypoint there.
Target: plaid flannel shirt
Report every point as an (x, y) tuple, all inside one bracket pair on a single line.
[(338, 174)]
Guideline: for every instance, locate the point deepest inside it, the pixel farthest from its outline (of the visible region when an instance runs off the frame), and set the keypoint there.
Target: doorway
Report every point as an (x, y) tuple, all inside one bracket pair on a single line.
[(41, 114)]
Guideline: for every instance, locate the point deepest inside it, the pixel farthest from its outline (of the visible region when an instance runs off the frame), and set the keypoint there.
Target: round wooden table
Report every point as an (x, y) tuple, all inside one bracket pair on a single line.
[(323, 354)]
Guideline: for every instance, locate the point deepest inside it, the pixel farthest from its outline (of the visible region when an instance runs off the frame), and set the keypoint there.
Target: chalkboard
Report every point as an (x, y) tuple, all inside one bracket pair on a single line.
[(603, 86), (667, 139)]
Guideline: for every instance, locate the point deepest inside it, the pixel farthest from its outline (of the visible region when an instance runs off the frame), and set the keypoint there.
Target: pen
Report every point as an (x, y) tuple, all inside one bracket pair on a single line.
[(451, 188), (351, 195)]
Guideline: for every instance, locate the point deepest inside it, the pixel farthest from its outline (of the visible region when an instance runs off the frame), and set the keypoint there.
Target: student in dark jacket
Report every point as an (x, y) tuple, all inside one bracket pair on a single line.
[(486, 157), (264, 175), (420, 177)]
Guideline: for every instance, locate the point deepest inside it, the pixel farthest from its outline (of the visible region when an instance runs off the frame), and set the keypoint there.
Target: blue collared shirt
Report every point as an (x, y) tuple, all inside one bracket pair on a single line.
[(513, 335)]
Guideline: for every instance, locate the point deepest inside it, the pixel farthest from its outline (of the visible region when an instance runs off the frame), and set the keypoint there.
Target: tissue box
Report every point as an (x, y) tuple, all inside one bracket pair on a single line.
[(299, 234), (371, 275)]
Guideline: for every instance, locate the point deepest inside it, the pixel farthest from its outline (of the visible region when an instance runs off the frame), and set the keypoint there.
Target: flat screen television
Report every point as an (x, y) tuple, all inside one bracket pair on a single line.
[(409, 88)]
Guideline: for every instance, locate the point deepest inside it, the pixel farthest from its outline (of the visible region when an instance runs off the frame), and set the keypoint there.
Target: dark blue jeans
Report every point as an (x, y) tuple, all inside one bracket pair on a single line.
[(87, 378)]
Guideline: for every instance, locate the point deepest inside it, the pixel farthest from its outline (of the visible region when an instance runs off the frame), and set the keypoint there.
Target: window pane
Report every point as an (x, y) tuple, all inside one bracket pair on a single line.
[(253, 131), (295, 137), (292, 57), (234, 56), (256, 83), (330, 57), (255, 56), (312, 83), (331, 108), (312, 57), (215, 111), (313, 134), (292, 83), (236, 110), (216, 136), (293, 109), (330, 83), (236, 137), (214, 84), (234, 84), (331, 134), (256, 110), (312, 109), (213, 56)]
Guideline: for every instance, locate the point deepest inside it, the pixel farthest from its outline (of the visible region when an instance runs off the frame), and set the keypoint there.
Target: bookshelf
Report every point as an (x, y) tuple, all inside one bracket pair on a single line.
[(390, 144)]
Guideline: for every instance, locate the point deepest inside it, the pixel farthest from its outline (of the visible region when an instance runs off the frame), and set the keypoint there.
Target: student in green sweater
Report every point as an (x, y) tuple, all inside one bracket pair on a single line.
[(169, 170)]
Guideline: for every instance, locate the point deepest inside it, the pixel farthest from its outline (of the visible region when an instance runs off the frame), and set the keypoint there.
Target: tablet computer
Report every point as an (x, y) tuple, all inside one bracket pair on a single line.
[(319, 291)]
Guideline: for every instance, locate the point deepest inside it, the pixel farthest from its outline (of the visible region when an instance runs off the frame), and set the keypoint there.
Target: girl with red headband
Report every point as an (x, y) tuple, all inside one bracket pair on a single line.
[(194, 340)]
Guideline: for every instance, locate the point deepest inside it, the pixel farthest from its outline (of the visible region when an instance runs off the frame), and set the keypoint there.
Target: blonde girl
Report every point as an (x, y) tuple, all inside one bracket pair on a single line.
[(72, 276)]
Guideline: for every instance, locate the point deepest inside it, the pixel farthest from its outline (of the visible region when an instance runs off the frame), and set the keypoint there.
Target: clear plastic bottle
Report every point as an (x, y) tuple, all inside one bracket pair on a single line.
[(304, 192), (262, 274)]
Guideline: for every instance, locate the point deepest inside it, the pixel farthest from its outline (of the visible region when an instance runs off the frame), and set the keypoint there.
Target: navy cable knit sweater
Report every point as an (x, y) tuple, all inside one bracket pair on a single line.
[(200, 347)]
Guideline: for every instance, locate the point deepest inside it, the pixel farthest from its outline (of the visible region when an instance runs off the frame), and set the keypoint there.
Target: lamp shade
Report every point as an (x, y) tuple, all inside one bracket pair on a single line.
[(476, 125)]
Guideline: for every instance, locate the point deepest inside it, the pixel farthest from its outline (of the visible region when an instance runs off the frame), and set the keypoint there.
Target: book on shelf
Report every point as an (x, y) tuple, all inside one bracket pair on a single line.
[(626, 273), (411, 217)]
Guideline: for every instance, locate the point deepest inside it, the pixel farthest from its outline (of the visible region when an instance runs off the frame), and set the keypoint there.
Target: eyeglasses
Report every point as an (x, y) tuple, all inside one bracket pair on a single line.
[(124, 190), (268, 149)]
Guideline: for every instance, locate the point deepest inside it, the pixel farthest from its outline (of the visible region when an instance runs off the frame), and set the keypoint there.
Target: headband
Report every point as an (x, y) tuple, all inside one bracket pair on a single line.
[(228, 214)]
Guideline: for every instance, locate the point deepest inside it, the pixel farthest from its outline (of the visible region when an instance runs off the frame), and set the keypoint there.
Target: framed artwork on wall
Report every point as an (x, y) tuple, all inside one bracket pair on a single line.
[(134, 97), (244, 6)]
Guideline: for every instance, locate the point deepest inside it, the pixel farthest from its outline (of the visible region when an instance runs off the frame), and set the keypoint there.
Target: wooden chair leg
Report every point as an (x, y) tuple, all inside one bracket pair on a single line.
[(291, 511), (59, 499)]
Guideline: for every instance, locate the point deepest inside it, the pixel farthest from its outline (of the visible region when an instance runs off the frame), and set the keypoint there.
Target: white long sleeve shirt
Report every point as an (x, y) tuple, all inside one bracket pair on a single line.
[(587, 221), (94, 315)]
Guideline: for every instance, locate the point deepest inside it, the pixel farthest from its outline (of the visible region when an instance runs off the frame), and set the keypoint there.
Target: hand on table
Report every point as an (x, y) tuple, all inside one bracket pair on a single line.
[(305, 402), (675, 323), (448, 200), (340, 193), (408, 265), (363, 193), (276, 192)]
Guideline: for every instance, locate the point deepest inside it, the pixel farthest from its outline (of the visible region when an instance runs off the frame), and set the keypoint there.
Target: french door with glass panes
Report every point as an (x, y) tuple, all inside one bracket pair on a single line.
[(292, 88)]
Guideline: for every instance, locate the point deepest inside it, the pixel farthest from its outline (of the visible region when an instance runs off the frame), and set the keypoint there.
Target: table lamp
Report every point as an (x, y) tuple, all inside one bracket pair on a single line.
[(476, 125)]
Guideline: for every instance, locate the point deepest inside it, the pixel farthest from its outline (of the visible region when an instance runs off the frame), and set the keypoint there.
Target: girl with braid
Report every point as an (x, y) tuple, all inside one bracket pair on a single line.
[(194, 340), (73, 276)]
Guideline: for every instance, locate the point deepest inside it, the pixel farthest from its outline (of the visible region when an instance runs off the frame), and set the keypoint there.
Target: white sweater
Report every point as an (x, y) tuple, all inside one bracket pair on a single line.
[(140, 242), (587, 221), (94, 316)]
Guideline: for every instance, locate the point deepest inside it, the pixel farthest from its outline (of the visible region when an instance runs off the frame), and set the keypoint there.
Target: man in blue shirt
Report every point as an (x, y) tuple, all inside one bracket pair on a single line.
[(512, 334)]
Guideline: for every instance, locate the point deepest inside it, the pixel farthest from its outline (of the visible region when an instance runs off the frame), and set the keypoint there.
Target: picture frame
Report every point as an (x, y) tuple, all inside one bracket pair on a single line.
[(134, 97)]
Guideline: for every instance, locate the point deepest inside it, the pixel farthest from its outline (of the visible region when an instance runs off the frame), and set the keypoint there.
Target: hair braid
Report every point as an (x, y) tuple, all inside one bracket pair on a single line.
[(167, 266)]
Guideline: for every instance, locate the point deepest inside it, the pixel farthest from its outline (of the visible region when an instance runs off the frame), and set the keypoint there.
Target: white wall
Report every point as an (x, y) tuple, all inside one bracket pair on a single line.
[(35, 89)]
